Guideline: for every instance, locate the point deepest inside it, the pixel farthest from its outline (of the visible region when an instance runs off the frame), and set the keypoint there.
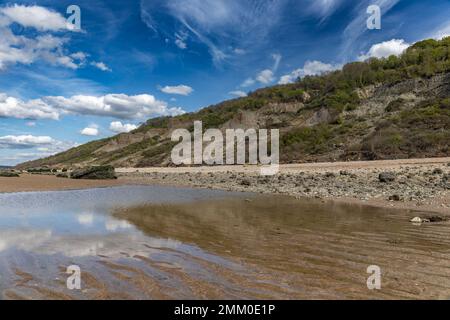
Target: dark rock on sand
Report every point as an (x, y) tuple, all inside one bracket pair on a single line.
[(386, 177), (95, 173)]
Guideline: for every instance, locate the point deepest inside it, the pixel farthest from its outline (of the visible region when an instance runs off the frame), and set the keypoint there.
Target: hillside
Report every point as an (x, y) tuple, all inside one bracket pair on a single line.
[(392, 108)]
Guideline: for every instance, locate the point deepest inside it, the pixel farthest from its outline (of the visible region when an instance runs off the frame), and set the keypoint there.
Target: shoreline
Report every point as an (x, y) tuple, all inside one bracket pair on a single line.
[(421, 185)]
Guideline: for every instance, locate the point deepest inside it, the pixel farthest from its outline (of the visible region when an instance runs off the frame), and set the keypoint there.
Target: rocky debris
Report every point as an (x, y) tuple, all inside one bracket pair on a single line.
[(408, 184), (438, 171), (386, 177), (429, 219), (62, 175), (8, 174), (94, 173)]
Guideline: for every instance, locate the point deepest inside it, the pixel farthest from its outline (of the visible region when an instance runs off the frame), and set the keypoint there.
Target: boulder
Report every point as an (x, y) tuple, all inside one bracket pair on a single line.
[(386, 177), (94, 173)]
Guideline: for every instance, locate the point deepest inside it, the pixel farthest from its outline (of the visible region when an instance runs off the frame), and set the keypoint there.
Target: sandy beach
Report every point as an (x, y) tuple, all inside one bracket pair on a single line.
[(30, 182)]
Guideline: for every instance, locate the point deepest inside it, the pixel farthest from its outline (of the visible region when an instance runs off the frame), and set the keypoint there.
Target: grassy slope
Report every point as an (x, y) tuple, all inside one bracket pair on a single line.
[(402, 132)]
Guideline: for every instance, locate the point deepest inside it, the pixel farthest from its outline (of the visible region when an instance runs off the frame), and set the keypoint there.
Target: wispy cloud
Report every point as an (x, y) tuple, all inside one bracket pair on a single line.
[(218, 24), (358, 26)]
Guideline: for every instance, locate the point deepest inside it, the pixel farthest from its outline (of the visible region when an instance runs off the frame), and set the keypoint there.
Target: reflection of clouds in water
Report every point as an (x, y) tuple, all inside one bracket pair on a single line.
[(72, 247), (85, 219), (23, 239), (114, 225)]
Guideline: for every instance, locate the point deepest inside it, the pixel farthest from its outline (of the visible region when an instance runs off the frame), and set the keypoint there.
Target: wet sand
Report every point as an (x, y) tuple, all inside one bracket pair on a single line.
[(255, 247), (31, 182)]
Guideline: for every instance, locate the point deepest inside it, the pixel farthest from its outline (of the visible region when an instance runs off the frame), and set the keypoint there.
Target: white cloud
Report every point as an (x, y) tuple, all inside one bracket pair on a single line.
[(120, 106), (101, 65), (310, 68), (91, 131), (32, 109), (385, 49), (180, 90), (238, 93), (36, 17), (265, 76), (30, 124), (248, 83), (20, 49), (36, 147), (24, 141), (181, 44), (119, 127)]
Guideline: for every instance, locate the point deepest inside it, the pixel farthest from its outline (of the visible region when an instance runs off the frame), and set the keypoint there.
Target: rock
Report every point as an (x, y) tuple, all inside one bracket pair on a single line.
[(438, 171), (416, 220), (9, 174), (246, 183), (62, 175), (395, 197), (436, 219), (387, 177), (95, 173)]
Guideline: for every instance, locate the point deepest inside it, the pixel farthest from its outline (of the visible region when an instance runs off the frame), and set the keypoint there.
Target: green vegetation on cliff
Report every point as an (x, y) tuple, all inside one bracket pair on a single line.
[(377, 109)]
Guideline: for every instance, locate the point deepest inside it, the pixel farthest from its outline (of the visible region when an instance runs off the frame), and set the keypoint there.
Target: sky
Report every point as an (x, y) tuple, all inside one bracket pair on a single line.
[(61, 86)]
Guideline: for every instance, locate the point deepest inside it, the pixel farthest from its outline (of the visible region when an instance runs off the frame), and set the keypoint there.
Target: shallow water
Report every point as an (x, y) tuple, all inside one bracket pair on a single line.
[(146, 242)]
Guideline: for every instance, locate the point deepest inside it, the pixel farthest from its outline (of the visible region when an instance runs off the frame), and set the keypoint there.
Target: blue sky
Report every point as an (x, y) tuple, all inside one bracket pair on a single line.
[(134, 60)]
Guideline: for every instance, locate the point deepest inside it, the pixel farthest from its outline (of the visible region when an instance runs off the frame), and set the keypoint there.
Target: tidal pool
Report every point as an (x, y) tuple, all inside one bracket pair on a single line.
[(148, 242)]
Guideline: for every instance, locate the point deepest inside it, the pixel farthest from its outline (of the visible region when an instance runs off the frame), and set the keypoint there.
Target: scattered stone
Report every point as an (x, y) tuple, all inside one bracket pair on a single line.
[(387, 177), (95, 173), (246, 183), (62, 175), (438, 171)]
